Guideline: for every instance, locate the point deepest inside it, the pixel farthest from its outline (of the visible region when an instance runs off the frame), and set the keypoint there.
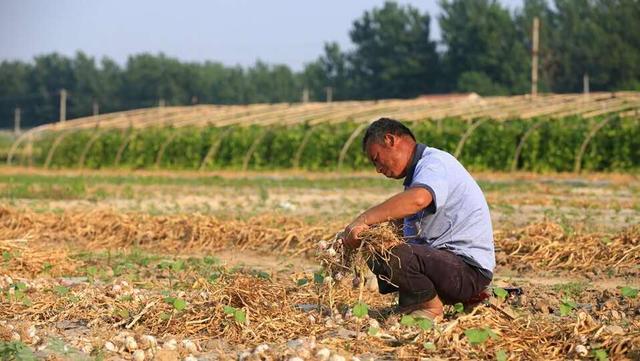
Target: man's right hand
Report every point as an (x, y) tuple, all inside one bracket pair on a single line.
[(352, 232)]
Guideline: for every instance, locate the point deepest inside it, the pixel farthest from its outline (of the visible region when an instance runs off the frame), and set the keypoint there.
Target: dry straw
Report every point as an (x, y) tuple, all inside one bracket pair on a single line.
[(602, 318)]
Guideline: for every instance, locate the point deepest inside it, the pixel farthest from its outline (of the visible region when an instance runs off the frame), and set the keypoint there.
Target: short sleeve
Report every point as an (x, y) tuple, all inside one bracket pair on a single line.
[(433, 177)]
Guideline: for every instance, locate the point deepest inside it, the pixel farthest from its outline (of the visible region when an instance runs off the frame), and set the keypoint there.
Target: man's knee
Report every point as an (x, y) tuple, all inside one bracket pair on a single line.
[(402, 258), (397, 265)]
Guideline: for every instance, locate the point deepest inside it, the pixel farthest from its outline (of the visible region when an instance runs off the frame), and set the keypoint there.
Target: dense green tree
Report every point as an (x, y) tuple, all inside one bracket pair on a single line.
[(330, 70), (271, 84), (148, 78), (480, 37), (15, 90), (484, 48), (621, 24), (394, 56), (598, 38)]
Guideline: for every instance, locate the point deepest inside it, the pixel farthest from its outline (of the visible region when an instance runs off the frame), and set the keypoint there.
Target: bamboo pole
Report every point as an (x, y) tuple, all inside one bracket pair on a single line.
[(534, 57)]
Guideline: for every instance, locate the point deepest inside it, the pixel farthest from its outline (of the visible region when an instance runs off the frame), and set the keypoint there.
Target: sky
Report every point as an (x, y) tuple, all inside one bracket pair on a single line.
[(290, 32)]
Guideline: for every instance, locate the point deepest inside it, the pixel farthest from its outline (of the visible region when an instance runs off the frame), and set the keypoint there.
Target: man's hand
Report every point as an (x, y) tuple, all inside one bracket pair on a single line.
[(395, 208), (351, 233)]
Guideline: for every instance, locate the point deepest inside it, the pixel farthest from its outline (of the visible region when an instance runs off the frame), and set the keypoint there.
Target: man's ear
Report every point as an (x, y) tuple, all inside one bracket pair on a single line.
[(389, 140)]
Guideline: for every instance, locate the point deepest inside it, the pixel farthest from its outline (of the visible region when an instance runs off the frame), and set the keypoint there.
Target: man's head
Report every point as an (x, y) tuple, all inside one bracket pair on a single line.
[(389, 145)]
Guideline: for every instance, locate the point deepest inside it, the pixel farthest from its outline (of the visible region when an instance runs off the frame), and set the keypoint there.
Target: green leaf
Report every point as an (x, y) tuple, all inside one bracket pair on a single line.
[(61, 290), (428, 345), (177, 266), (46, 267), (477, 336), (263, 275), (372, 331), (425, 324), (179, 304), (6, 256), (501, 355), (125, 298), (164, 316), (229, 310), (600, 355), (566, 307), (565, 310), (25, 354), (58, 346), (629, 292), (360, 309), (20, 286), (213, 277), (15, 350), (458, 307), (240, 316), (211, 260), (92, 271), (302, 282), (407, 320), (318, 277), (501, 293)]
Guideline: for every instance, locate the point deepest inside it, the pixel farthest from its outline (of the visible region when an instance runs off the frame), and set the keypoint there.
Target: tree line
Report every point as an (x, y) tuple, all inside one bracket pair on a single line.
[(485, 48)]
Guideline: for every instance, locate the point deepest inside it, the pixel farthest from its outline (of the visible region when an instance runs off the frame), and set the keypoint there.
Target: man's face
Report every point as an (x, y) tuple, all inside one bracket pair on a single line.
[(388, 157)]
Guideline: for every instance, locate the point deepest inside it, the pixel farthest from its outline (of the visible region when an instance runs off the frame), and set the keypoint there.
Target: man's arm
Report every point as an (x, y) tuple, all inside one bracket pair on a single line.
[(399, 206)]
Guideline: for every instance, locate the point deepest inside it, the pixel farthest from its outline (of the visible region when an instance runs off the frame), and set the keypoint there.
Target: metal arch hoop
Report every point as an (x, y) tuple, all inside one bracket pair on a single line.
[(215, 146), (88, 146), (164, 145), (54, 146), (253, 147), (123, 146), (350, 140), (307, 136), (16, 144), (583, 147), (467, 135), (523, 140)]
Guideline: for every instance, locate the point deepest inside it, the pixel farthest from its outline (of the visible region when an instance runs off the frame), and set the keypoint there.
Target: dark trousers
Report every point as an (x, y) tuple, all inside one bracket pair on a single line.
[(421, 272)]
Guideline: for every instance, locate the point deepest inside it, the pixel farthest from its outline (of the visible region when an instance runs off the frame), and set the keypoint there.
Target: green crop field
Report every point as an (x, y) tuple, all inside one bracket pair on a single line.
[(552, 146), (549, 133)]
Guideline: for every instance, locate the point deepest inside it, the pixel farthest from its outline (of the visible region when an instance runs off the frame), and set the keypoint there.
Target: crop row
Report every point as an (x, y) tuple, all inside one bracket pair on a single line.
[(545, 145)]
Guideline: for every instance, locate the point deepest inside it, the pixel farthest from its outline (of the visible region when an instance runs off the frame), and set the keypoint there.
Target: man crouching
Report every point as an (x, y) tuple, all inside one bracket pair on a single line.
[(449, 254)]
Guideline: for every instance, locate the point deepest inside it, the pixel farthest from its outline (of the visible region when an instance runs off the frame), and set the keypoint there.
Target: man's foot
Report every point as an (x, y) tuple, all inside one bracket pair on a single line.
[(432, 309), (477, 299)]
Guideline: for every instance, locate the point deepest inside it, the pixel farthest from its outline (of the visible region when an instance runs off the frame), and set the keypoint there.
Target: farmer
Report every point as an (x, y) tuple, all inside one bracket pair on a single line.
[(449, 255)]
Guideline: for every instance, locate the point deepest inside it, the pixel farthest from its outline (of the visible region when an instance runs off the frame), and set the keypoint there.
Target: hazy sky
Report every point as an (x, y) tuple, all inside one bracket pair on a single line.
[(233, 31)]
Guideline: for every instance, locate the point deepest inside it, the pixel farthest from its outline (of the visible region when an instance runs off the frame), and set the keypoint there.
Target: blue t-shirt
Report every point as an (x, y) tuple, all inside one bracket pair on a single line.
[(458, 218)]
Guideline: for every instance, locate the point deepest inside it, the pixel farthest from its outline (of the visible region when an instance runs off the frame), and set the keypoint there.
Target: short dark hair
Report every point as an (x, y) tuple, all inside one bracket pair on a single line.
[(378, 129)]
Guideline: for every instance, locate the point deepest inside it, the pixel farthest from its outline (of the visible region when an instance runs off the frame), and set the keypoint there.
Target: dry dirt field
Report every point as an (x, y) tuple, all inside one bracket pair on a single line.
[(119, 265)]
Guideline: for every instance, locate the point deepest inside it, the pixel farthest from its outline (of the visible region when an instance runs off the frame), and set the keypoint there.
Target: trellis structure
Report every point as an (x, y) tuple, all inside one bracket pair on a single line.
[(472, 108)]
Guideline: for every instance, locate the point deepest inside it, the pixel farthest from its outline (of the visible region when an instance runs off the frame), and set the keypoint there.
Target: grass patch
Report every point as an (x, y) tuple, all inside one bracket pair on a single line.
[(262, 182), (571, 289), (74, 189)]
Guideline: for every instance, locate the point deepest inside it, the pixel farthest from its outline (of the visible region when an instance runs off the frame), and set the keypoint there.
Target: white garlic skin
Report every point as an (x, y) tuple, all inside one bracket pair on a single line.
[(138, 355)]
